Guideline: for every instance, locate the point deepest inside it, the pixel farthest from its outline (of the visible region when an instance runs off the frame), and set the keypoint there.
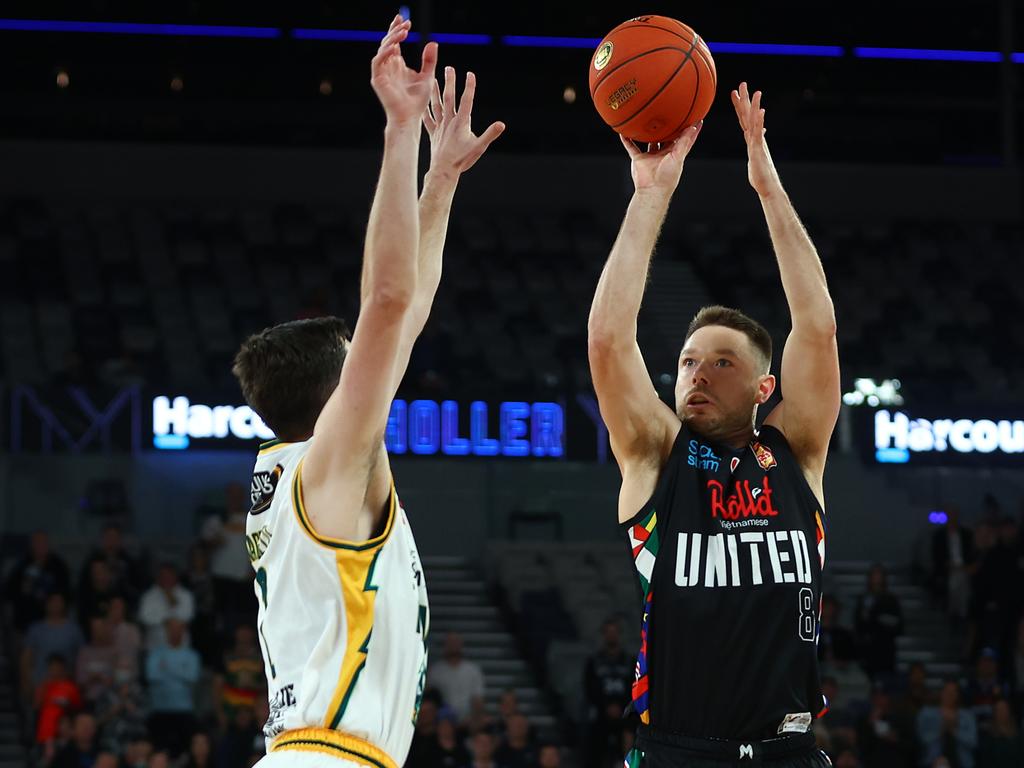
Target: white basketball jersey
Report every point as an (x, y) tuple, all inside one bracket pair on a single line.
[(343, 625)]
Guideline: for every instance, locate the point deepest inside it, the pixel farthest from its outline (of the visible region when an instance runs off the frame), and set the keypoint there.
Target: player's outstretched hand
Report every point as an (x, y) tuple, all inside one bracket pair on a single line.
[(661, 166), (760, 168), (454, 148), (403, 92)]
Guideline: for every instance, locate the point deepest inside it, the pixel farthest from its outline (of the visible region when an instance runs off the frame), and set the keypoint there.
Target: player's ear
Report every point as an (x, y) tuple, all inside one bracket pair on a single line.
[(765, 388)]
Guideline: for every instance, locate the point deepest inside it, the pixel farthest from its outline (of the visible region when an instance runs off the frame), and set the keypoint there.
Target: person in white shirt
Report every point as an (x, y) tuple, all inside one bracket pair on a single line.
[(460, 682), (166, 599)]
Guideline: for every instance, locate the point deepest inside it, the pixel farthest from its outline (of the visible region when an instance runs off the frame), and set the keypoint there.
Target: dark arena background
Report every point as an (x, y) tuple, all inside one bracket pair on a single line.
[(175, 176)]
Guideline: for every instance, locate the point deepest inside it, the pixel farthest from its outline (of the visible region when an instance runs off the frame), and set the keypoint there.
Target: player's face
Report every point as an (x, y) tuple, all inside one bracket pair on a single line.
[(719, 382)]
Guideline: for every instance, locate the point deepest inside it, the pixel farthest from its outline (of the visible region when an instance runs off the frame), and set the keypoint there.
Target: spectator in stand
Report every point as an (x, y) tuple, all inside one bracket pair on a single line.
[(854, 686), (517, 751), (947, 731), (508, 705), (126, 635), (236, 742), (482, 751), (915, 695), (423, 751), (460, 682), (550, 756), (206, 627), (451, 752), (841, 722), (241, 679), (137, 753), (1002, 746), (607, 680), (199, 752), (224, 537), (37, 575), (848, 759), (121, 711), (95, 591), (879, 621), (81, 752), (952, 559), (55, 634), (106, 759), (836, 642), (125, 571), (985, 688), (166, 599), (94, 668), (885, 739), (159, 760), (994, 601), (1017, 677), (55, 697), (172, 671)]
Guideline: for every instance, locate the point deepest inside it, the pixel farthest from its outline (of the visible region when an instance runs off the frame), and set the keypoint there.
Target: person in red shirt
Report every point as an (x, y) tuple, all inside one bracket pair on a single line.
[(56, 696)]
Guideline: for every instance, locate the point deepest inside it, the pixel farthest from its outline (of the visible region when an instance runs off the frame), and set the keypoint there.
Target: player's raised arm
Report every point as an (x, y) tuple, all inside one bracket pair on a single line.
[(349, 430), (640, 426), (454, 149), (810, 359)]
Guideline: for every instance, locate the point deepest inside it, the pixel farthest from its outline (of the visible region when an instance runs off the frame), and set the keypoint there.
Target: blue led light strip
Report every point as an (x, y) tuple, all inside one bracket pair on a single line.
[(459, 38), (125, 28), (774, 49), (927, 54)]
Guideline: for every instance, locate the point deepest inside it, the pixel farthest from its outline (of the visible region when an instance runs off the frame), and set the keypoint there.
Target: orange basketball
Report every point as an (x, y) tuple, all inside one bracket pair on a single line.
[(651, 78)]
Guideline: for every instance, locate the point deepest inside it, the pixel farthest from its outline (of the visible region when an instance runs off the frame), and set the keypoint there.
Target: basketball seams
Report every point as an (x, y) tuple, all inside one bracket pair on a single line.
[(621, 64), (687, 57), (656, 94), (709, 64)]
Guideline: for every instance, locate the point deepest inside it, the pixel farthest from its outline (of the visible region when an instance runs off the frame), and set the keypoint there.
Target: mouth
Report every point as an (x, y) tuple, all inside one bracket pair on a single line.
[(697, 400)]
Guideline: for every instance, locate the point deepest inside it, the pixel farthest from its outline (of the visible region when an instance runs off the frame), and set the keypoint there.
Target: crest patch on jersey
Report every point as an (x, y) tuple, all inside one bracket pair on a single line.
[(764, 456), (261, 492)]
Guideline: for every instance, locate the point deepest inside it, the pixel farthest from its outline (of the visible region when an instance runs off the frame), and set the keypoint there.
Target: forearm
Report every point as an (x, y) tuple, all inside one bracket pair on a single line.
[(392, 234), (621, 287), (803, 278), (435, 207)]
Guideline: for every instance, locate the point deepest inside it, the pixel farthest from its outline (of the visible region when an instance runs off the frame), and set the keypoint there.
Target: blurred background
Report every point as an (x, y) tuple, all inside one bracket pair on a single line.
[(174, 176)]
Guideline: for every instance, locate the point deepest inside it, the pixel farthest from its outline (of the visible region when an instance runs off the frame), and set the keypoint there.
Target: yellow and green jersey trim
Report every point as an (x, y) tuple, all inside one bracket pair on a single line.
[(271, 446), (334, 743), (327, 541)]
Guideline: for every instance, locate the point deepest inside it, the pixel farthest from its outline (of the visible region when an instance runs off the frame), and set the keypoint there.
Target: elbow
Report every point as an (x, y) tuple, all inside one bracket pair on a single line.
[(394, 299)]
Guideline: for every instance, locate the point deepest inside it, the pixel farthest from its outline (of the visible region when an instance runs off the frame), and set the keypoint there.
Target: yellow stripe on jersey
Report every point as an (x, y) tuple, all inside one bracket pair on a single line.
[(333, 743), (327, 541), (271, 446), (355, 572)]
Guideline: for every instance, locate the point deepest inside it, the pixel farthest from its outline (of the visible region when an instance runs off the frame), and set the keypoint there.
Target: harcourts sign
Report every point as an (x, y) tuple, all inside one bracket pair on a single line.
[(176, 422), (898, 437)]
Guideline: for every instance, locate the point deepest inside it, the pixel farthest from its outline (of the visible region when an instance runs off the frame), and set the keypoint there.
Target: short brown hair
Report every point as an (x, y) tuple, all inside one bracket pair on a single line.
[(733, 318), (289, 371)]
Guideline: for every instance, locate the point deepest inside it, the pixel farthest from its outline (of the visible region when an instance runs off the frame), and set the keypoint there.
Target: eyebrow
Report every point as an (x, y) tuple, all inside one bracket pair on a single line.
[(726, 351)]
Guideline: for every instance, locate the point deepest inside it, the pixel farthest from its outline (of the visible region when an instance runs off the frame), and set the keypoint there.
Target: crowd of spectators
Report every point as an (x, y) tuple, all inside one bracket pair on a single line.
[(455, 730), (122, 667)]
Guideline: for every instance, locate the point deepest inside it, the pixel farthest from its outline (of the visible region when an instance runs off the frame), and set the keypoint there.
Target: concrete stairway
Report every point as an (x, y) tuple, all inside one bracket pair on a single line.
[(460, 602)]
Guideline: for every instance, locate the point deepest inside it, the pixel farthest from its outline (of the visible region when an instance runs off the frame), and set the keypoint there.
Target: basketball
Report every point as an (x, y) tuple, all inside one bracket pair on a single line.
[(651, 78)]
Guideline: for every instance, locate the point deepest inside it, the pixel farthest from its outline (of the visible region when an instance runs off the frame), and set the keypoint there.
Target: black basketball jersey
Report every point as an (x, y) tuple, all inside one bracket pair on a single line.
[(729, 550)]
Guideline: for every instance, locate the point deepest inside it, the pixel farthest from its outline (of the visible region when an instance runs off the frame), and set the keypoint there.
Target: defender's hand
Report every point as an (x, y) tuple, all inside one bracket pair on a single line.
[(403, 92), (661, 166), (760, 168), (454, 148)]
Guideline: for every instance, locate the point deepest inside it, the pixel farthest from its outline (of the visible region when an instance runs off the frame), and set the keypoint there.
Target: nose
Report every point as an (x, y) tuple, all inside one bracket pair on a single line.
[(698, 375)]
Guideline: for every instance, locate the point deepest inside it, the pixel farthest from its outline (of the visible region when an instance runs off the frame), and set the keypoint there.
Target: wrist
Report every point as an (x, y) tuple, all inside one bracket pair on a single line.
[(398, 130), (653, 196), (441, 179)]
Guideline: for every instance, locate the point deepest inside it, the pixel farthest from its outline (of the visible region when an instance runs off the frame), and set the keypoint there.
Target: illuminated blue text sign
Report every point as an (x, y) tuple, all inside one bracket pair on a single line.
[(450, 428), (898, 437)]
